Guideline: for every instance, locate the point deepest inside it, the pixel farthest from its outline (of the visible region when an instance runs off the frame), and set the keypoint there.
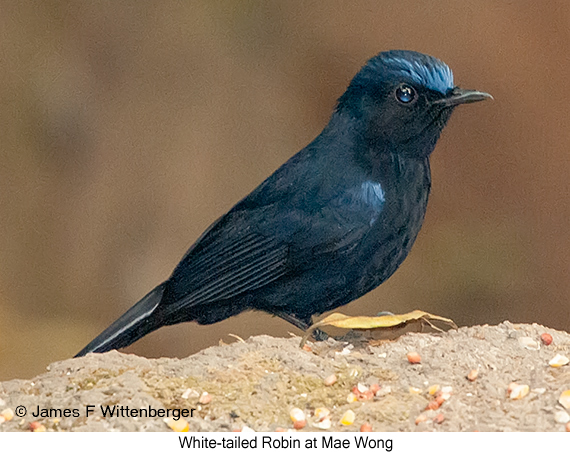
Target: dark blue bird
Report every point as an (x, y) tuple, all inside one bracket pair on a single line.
[(331, 224)]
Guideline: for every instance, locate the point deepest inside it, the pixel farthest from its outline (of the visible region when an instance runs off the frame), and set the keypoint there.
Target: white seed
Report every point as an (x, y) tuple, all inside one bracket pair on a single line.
[(330, 380), (383, 391), (325, 424), (529, 343), (297, 414), (564, 399), (558, 361), (348, 418), (562, 417), (519, 391), (7, 414), (190, 393), (321, 413)]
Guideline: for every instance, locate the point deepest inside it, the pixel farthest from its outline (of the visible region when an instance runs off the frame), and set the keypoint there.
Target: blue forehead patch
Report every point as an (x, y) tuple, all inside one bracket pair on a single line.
[(419, 68)]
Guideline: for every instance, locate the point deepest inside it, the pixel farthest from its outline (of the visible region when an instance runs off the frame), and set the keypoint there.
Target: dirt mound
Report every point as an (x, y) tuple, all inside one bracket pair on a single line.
[(256, 383)]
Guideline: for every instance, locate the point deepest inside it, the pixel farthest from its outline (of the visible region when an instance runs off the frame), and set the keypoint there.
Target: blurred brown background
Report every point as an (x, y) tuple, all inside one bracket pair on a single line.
[(128, 127)]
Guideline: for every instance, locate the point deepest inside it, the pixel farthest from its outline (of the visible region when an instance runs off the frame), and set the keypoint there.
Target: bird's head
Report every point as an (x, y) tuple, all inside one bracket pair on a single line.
[(404, 99)]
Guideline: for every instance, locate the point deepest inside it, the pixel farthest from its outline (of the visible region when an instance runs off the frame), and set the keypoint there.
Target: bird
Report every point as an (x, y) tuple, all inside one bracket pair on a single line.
[(331, 224)]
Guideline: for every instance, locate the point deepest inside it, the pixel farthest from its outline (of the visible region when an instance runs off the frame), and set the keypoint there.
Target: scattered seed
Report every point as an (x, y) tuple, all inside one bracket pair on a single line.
[(529, 343), (546, 338), (421, 418), (7, 414), (299, 425), (280, 430), (439, 418), (432, 405), (205, 398), (510, 388), (361, 387), (181, 425), (298, 417), (351, 397), (433, 389), (472, 376), (330, 380), (2, 419), (321, 413), (37, 427), (564, 399), (247, 429), (353, 373), (383, 391), (325, 424), (307, 348), (519, 391), (413, 390), (558, 361), (414, 358), (440, 399), (374, 388), (568, 427), (444, 394), (562, 417), (366, 427), (348, 418), (190, 393)]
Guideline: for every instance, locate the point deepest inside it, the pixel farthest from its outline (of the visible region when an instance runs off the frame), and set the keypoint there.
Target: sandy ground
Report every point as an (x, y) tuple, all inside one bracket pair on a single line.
[(256, 383)]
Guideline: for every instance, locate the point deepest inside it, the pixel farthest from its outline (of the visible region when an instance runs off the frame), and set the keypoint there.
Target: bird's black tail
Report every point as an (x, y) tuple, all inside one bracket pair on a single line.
[(131, 326)]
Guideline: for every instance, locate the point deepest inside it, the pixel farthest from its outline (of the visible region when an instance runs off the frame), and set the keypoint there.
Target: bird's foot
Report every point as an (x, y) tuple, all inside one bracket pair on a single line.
[(319, 335), (382, 321)]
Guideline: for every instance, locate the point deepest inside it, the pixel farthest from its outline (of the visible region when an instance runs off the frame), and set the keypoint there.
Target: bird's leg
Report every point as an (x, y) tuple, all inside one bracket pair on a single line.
[(317, 334)]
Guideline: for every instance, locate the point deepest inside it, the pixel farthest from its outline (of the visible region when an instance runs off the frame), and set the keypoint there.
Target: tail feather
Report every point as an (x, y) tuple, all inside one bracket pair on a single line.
[(131, 326)]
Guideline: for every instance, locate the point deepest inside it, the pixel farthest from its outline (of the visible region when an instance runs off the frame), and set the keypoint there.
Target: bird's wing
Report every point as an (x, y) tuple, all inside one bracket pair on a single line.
[(248, 249), (229, 259)]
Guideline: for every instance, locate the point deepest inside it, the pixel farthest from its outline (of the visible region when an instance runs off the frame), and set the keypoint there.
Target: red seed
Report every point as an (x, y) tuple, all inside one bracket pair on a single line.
[(568, 427), (307, 348), (510, 388), (367, 395), (546, 338), (374, 388), (205, 398), (472, 376), (330, 380), (432, 405), (414, 357), (421, 418), (366, 427), (37, 427), (439, 400), (439, 418), (298, 425)]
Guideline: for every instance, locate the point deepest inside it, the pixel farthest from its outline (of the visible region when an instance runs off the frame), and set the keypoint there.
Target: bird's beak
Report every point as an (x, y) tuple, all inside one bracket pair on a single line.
[(458, 96)]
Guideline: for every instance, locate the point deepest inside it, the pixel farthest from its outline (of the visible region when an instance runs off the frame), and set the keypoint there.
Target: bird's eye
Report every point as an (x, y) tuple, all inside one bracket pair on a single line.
[(405, 94)]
